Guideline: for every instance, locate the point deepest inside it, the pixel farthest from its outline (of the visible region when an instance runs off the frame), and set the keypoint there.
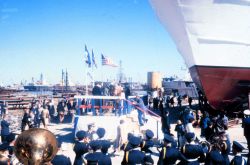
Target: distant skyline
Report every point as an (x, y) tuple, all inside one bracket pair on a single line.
[(46, 36)]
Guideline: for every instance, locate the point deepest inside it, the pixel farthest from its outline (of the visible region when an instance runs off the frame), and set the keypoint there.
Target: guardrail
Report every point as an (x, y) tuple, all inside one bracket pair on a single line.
[(91, 100), (101, 103), (127, 104)]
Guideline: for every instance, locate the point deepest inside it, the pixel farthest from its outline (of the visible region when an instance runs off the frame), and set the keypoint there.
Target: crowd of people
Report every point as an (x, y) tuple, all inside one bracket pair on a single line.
[(211, 146), (92, 148)]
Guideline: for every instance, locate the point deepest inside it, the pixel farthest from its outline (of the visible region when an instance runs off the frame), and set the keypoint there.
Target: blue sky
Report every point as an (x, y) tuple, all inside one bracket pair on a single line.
[(46, 36)]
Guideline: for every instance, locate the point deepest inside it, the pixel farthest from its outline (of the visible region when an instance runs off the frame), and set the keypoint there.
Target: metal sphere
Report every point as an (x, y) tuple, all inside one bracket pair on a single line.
[(35, 146)]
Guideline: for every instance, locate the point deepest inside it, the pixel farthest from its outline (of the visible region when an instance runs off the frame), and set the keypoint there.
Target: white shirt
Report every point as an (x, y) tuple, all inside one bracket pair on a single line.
[(189, 128)]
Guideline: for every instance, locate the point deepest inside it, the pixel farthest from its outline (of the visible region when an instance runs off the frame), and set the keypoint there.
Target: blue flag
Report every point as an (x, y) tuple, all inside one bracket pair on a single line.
[(93, 59), (88, 60)]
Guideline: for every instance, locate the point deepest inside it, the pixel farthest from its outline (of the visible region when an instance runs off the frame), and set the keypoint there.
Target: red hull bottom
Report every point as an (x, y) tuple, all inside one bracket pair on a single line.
[(222, 85)]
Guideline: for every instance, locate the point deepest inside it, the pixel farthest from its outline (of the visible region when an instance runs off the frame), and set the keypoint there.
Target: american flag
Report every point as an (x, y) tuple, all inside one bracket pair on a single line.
[(108, 61)]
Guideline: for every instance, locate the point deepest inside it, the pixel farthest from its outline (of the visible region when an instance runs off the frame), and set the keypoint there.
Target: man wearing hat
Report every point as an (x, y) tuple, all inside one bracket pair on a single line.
[(246, 127), (103, 159), (169, 154), (127, 145), (147, 143), (81, 147), (192, 151), (133, 156), (238, 159), (91, 159), (60, 158), (146, 146)]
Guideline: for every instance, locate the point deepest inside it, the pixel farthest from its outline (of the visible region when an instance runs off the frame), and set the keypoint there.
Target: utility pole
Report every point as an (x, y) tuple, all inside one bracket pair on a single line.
[(62, 81), (120, 74), (66, 81)]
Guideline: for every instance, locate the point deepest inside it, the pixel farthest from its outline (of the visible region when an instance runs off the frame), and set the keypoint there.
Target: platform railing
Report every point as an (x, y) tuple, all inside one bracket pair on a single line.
[(100, 102), (124, 106)]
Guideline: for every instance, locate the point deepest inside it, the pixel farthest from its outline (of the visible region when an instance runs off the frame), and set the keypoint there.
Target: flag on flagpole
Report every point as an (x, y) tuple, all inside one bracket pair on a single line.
[(108, 61), (88, 60), (93, 59)]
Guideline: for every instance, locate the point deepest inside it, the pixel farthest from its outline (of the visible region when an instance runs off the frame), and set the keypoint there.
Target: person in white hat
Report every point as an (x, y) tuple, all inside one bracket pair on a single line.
[(246, 127)]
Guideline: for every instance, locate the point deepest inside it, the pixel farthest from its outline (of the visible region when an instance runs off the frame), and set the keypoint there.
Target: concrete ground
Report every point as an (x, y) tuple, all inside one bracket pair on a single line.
[(65, 133)]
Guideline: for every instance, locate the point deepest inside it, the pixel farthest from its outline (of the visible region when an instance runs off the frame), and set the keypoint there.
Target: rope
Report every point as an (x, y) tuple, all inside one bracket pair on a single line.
[(153, 115)]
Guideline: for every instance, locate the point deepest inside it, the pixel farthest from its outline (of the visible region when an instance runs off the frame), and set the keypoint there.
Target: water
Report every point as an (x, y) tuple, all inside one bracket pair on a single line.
[(35, 93)]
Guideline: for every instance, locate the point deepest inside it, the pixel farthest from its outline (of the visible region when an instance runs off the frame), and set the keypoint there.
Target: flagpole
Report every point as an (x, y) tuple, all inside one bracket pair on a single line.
[(102, 68), (86, 80), (93, 77), (88, 65)]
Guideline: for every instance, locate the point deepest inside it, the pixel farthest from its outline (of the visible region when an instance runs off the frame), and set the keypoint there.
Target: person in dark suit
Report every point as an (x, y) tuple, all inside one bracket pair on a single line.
[(5, 130), (155, 103), (60, 110), (192, 151), (91, 159), (101, 158), (179, 100), (165, 119), (147, 143), (105, 146), (97, 91), (179, 128), (134, 155), (60, 158), (190, 100), (146, 146), (81, 146), (127, 146), (4, 109), (169, 154), (225, 147), (246, 127), (25, 120), (127, 92), (10, 140), (215, 156), (141, 109), (238, 159)]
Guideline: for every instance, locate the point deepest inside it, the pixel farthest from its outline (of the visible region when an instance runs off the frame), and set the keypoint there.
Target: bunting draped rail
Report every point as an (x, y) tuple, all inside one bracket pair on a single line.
[(154, 115)]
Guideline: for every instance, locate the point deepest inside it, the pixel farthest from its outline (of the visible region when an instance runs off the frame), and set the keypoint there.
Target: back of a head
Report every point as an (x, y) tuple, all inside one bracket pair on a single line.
[(100, 132), (221, 115), (4, 161), (122, 121), (190, 136)]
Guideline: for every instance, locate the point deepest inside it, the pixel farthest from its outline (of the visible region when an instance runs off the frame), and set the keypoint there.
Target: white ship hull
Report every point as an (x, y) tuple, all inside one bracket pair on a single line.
[(213, 36)]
